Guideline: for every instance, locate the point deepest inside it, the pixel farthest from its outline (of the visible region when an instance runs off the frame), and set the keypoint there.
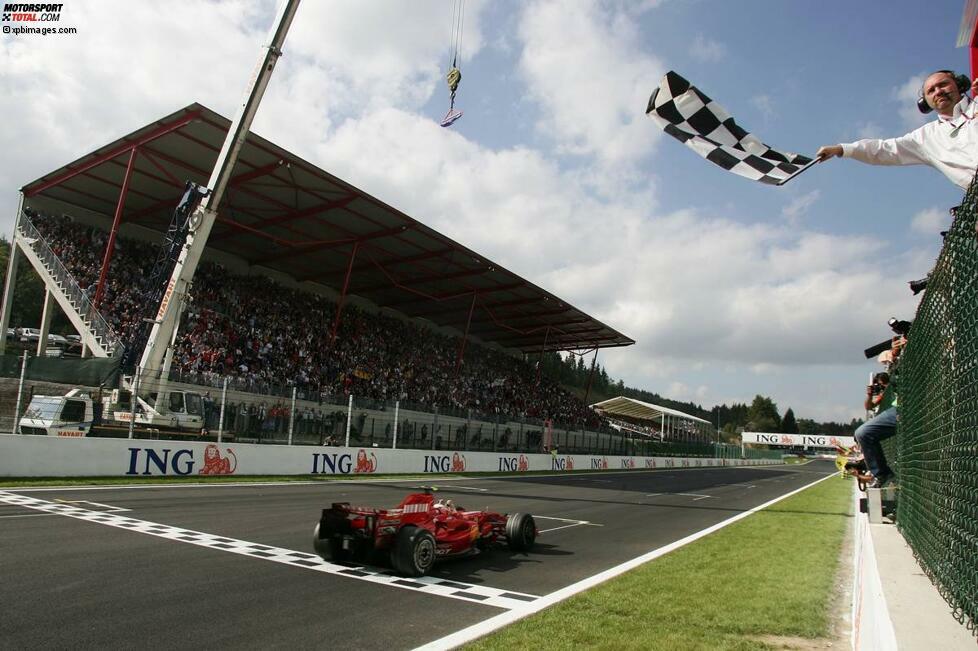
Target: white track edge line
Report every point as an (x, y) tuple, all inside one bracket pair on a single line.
[(487, 626)]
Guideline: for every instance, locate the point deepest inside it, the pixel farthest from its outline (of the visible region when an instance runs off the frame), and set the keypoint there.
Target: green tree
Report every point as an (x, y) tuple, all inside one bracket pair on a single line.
[(28, 300), (763, 415), (788, 424), (807, 426)]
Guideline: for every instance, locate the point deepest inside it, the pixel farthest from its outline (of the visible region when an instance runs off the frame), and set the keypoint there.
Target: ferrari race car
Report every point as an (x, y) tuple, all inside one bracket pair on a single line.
[(416, 533)]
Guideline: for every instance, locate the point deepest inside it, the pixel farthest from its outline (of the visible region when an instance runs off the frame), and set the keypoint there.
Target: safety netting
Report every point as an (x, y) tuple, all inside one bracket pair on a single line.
[(936, 448)]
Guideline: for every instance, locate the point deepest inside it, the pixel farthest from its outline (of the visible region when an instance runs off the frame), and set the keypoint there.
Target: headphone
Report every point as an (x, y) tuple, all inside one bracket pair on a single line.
[(961, 81)]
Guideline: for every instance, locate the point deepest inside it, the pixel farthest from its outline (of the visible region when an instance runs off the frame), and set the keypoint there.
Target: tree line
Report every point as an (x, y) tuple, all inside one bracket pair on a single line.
[(761, 415)]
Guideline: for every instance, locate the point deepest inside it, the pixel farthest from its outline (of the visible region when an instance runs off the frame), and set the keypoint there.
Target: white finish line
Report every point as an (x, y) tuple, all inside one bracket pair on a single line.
[(505, 599), (573, 523)]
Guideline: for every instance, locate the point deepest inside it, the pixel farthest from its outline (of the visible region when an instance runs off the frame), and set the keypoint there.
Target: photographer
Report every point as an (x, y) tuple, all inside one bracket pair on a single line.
[(877, 429), (875, 391), (949, 144)]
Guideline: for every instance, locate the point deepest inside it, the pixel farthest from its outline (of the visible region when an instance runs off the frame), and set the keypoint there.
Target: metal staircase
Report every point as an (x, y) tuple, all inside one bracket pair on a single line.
[(95, 332)]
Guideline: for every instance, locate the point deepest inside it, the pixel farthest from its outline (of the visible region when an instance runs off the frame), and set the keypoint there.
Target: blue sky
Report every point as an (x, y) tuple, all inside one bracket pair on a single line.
[(731, 288)]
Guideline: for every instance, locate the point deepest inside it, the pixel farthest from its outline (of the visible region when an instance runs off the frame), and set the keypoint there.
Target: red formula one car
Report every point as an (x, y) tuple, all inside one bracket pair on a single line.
[(416, 533)]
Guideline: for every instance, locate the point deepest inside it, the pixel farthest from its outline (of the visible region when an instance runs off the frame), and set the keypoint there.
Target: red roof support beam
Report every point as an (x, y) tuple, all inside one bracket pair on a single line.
[(590, 376), (430, 279), (258, 172), (297, 214), (465, 337), (542, 349), (444, 297), (165, 172), (346, 286), (303, 248), (112, 153), (110, 245)]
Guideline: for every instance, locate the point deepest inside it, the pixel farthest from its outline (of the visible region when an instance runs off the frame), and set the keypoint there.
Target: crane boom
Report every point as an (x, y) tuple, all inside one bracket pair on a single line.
[(164, 328)]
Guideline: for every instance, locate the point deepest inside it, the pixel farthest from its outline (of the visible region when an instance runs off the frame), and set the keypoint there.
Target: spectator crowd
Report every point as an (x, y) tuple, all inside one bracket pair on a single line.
[(260, 334)]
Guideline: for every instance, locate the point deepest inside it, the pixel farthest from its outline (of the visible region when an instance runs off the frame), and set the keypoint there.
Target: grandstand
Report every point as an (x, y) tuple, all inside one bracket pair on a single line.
[(307, 282), (633, 417)]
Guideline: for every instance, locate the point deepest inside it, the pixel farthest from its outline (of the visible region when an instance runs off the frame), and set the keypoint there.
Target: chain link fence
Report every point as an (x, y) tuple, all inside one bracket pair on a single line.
[(936, 450)]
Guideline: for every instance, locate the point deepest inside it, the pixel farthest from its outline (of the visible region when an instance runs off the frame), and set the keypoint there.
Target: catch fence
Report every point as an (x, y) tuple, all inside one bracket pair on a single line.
[(936, 449)]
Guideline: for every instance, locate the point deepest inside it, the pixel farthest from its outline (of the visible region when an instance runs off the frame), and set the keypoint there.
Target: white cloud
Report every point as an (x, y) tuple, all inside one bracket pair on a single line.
[(869, 130), (697, 290), (584, 64), (906, 94), (931, 221), (798, 206), (132, 62), (707, 50), (748, 293), (763, 104)]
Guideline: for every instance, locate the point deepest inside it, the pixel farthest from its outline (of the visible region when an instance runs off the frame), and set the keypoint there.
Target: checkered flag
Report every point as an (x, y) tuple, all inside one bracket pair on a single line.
[(704, 126)]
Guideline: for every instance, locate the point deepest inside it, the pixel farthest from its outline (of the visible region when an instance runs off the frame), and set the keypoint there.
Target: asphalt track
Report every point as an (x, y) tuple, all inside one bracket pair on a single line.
[(231, 566)]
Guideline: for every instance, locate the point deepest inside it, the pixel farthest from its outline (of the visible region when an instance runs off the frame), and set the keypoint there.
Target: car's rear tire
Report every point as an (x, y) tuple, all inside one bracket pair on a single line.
[(328, 544), (521, 532), (414, 551)]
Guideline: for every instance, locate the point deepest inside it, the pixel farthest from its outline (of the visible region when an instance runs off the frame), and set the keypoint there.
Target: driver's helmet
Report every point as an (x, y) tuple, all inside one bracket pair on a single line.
[(445, 504)]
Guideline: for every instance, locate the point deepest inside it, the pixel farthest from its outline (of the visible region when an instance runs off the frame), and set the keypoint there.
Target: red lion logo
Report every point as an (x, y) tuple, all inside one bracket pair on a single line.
[(629, 463), (786, 439), (364, 464), (570, 463), (215, 464), (522, 465), (458, 462)]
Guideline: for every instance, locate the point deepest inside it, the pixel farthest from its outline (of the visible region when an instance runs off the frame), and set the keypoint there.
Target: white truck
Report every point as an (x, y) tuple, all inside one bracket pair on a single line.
[(74, 414)]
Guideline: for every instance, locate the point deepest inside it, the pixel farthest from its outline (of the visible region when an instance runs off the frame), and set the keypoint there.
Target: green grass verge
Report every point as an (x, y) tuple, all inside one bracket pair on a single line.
[(771, 574)]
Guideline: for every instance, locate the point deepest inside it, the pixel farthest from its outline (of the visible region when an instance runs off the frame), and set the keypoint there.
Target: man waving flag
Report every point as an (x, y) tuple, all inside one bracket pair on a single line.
[(691, 117)]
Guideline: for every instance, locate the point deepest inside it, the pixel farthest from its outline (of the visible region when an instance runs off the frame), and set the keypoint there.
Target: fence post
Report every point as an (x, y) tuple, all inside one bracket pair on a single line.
[(349, 419), (292, 416), (20, 392), (397, 408), (133, 392), (434, 428), (224, 399)]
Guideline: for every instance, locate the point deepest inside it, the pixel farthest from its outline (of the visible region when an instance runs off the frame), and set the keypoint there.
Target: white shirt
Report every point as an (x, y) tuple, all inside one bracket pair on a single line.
[(950, 145)]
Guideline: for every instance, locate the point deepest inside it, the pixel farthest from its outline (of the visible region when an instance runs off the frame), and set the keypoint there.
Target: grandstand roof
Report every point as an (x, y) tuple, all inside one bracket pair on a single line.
[(285, 214), (632, 408)]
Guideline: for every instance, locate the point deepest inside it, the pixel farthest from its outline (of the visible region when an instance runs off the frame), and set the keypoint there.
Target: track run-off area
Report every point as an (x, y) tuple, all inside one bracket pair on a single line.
[(182, 566)]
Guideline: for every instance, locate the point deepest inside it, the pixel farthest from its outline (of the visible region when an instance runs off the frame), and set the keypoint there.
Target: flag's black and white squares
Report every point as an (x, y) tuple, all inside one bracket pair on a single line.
[(704, 126)]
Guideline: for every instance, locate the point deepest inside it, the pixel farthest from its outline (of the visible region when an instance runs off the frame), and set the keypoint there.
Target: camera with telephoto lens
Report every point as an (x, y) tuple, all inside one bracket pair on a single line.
[(917, 286), (880, 380)]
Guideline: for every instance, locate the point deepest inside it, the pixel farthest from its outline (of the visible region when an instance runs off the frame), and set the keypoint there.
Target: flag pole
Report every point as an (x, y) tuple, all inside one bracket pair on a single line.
[(803, 168)]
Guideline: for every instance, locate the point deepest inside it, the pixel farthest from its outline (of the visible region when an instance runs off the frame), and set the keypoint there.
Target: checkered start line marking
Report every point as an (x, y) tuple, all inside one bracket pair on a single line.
[(427, 584)]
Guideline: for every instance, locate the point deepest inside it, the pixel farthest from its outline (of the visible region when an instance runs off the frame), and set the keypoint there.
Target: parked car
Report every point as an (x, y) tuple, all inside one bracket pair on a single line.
[(57, 340), (29, 334)]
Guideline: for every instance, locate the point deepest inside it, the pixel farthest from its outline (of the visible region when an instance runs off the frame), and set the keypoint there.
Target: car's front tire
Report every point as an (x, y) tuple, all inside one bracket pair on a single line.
[(521, 532)]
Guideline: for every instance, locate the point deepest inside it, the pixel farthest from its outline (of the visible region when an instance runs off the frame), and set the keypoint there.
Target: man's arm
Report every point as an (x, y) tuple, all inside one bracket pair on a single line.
[(905, 150)]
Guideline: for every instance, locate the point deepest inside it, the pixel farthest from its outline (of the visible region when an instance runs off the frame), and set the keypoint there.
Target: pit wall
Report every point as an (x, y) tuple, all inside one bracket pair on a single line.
[(872, 627), (49, 456)]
